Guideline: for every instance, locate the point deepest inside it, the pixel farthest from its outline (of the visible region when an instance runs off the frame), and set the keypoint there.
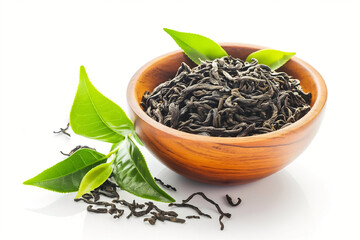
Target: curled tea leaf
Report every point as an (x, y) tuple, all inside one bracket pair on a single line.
[(66, 175), (270, 57), (197, 47)]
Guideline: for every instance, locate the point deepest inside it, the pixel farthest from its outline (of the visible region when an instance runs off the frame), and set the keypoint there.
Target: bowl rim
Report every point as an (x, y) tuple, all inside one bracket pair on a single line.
[(303, 122)]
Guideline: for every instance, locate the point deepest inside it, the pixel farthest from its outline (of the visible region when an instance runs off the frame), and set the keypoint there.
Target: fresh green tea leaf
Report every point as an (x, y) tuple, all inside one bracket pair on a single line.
[(95, 116), (272, 58), (66, 175), (131, 173), (196, 46), (94, 178)]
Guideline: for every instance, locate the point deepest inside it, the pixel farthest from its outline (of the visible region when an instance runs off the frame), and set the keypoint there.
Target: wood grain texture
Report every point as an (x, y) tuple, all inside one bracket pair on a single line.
[(221, 160)]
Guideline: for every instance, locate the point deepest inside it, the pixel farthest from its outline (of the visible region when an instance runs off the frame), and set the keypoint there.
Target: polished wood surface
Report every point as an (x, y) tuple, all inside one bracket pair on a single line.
[(220, 160)]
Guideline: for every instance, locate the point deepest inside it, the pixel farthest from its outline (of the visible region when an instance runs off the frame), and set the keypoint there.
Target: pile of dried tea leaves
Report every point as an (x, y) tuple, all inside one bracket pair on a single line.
[(227, 97)]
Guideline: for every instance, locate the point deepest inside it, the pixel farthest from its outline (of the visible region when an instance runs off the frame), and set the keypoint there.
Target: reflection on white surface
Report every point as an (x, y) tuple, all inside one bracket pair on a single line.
[(67, 209), (267, 205)]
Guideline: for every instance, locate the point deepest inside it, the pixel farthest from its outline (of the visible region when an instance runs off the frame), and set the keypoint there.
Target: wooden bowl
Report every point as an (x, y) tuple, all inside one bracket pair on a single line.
[(224, 160)]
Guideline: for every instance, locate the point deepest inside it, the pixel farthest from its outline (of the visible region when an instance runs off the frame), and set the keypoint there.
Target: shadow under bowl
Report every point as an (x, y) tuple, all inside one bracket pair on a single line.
[(224, 160)]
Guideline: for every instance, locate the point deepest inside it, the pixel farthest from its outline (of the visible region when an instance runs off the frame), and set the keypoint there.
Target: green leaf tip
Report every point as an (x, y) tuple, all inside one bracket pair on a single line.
[(83, 75), (270, 57), (27, 182), (197, 47)]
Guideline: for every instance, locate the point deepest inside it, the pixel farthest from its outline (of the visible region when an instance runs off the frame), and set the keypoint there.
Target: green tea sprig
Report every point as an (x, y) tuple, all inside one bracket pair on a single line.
[(199, 48), (95, 116)]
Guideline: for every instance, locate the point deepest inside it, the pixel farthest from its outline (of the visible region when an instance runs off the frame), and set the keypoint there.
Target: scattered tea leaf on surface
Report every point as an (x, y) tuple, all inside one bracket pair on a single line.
[(131, 173), (94, 178), (196, 46), (66, 175), (95, 116), (270, 57)]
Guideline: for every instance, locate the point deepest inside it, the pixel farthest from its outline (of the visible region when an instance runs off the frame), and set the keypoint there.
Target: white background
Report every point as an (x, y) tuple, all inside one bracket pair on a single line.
[(43, 44)]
